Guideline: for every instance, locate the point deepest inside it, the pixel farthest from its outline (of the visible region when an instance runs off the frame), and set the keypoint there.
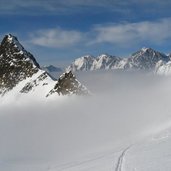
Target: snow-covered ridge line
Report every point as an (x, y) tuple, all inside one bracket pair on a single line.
[(144, 59), (163, 68)]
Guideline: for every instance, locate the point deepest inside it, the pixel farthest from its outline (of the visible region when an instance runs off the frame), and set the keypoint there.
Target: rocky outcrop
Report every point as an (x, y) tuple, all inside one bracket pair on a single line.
[(67, 84)]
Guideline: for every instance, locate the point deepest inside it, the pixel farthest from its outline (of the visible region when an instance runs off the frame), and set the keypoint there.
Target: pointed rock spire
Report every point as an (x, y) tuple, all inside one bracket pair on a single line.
[(68, 84), (15, 62)]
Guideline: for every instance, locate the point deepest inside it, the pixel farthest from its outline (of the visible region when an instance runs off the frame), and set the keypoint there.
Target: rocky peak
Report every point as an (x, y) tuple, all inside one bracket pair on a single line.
[(146, 58), (83, 63), (15, 62), (67, 84), (11, 45), (104, 55), (105, 61), (147, 50)]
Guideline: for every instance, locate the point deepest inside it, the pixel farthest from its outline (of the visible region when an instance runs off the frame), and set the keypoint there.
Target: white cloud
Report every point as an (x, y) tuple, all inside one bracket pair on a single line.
[(126, 34), (122, 34), (56, 38)]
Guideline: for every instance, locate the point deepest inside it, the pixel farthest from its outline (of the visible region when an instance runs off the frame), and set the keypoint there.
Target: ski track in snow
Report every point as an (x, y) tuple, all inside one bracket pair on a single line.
[(72, 165), (121, 159)]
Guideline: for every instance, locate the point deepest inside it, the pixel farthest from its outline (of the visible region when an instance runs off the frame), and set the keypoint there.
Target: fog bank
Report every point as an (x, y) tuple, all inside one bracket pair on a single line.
[(123, 108)]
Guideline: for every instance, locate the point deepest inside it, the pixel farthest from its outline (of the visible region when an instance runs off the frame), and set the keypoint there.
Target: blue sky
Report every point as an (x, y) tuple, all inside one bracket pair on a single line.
[(58, 31)]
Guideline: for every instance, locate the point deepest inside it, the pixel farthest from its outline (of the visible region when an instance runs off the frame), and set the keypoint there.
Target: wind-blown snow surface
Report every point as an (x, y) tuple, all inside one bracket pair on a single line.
[(124, 126)]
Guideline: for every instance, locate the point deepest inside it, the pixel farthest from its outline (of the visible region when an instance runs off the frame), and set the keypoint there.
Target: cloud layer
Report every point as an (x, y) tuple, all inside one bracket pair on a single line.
[(122, 34), (124, 108), (132, 33), (57, 38)]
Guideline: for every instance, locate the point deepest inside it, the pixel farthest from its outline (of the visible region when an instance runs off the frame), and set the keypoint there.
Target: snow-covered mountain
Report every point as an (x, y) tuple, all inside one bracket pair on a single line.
[(105, 61), (83, 63), (51, 68), (90, 63), (20, 72), (144, 59), (15, 62)]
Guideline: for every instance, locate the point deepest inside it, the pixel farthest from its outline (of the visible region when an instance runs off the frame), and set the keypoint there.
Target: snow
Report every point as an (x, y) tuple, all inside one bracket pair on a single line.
[(121, 64), (90, 63), (163, 68), (153, 155), (39, 91), (144, 49)]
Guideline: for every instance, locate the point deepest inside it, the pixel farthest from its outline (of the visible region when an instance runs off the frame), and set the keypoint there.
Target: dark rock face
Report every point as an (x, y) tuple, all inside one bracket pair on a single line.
[(68, 84), (16, 64)]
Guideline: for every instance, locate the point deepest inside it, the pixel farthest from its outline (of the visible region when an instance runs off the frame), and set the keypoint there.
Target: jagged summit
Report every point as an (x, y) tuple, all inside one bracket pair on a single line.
[(149, 51), (9, 38), (12, 45), (145, 49), (15, 62), (67, 84), (146, 59), (83, 63), (89, 63)]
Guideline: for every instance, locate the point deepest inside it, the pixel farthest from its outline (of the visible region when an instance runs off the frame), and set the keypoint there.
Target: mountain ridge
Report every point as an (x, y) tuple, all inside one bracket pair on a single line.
[(143, 59), (51, 68)]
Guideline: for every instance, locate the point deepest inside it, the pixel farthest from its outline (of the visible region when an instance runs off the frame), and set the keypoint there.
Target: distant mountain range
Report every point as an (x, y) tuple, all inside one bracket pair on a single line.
[(144, 59), (51, 68), (20, 73)]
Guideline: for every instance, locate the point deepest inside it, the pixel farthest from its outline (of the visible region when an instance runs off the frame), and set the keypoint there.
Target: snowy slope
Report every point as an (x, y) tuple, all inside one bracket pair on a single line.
[(150, 155), (83, 63), (163, 68), (36, 86), (153, 155), (105, 61)]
